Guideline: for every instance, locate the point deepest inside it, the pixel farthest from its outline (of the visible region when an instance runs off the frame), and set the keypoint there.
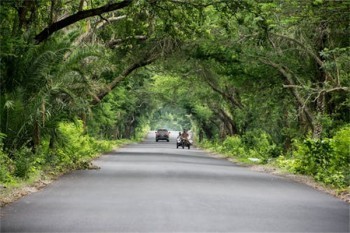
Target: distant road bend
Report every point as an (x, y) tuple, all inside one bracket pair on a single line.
[(154, 187)]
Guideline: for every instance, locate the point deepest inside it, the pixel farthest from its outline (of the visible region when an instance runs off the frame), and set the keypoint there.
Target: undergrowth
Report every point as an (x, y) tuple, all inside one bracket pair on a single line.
[(73, 150), (326, 160)]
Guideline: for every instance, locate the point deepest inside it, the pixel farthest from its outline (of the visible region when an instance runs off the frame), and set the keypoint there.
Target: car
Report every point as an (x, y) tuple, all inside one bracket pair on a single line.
[(162, 134)]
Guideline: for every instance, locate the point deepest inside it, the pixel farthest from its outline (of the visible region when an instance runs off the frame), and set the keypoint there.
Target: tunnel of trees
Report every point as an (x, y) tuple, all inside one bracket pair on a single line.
[(251, 78)]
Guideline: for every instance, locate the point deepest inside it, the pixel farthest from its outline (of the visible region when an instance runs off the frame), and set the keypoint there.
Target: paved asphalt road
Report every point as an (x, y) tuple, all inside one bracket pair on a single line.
[(154, 187)]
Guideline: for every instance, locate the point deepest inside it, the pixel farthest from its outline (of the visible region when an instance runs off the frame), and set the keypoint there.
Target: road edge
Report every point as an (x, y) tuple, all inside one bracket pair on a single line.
[(269, 169)]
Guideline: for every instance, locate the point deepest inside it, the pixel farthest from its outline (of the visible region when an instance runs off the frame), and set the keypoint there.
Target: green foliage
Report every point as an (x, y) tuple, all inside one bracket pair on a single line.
[(248, 76), (74, 150), (23, 162), (234, 146), (325, 159), (76, 146), (6, 167), (250, 145), (6, 164)]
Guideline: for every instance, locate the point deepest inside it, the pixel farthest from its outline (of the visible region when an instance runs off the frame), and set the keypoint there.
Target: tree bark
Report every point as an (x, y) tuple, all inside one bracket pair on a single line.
[(229, 123), (36, 135), (81, 5), (80, 15), (52, 11)]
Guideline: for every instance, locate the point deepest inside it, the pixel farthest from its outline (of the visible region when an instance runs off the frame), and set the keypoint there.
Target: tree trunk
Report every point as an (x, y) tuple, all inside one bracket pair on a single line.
[(228, 123), (36, 135), (207, 130), (321, 79), (81, 5), (52, 12), (53, 137), (200, 135), (84, 119), (288, 80), (23, 11)]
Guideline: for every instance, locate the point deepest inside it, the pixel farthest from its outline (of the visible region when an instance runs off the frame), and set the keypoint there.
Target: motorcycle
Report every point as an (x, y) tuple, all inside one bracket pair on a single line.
[(183, 142)]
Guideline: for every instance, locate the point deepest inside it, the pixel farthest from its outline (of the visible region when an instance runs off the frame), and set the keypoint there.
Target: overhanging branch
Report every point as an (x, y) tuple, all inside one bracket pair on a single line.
[(43, 35), (290, 83), (97, 98), (309, 51)]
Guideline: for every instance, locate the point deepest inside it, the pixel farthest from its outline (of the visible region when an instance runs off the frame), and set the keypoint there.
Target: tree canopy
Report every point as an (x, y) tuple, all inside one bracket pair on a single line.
[(223, 68)]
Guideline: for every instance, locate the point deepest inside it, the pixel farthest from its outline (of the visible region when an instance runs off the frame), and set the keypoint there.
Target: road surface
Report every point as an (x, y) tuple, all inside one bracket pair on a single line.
[(154, 187)]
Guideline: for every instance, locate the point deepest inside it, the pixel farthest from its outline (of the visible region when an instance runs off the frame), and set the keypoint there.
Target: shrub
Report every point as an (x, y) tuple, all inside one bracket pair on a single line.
[(76, 146), (325, 159), (6, 164), (314, 154), (260, 145), (341, 153), (290, 164), (23, 163), (234, 146), (6, 168), (73, 150)]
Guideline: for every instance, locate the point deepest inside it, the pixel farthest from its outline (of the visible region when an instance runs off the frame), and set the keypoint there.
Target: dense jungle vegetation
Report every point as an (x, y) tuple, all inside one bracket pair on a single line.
[(262, 79)]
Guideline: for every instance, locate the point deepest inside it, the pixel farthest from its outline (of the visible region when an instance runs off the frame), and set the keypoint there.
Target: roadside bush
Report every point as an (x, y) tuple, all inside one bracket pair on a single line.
[(259, 145), (327, 160), (256, 145), (6, 164), (289, 164), (313, 154), (5, 168), (20, 165), (76, 146), (23, 161), (341, 146), (141, 132), (211, 145), (234, 146)]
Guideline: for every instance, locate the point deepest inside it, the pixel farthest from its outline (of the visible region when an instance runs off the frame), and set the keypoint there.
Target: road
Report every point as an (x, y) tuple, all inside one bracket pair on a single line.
[(154, 187)]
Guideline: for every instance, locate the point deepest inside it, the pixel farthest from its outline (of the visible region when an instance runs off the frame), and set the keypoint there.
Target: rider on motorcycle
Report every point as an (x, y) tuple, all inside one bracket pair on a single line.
[(185, 135), (183, 140)]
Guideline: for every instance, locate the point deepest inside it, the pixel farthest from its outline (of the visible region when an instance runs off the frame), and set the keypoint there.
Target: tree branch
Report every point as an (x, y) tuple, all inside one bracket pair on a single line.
[(97, 99), (311, 53), (109, 20), (290, 83), (113, 43), (43, 35), (317, 59), (226, 96)]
